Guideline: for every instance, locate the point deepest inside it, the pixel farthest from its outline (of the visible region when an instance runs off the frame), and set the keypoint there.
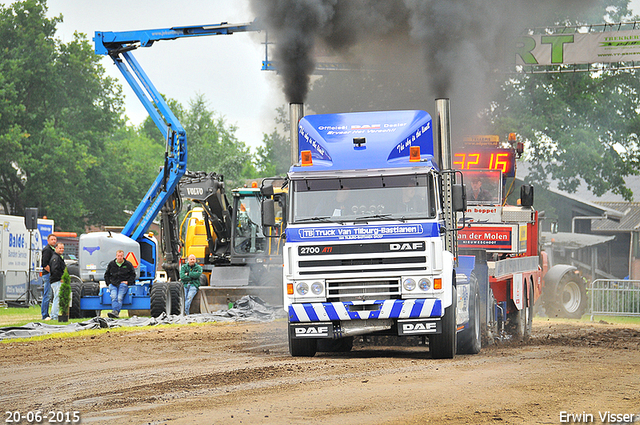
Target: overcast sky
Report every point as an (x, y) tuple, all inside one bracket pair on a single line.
[(225, 69)]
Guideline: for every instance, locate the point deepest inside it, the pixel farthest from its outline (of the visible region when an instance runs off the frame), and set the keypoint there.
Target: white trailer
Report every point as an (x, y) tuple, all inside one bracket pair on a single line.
[(19, 268)]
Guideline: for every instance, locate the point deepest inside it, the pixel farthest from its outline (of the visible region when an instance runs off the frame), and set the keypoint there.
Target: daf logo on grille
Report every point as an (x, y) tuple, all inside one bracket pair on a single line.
[(415, 246)]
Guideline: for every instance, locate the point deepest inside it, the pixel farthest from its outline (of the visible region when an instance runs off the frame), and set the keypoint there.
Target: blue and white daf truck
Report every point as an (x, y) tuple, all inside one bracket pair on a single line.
[(370, 236)]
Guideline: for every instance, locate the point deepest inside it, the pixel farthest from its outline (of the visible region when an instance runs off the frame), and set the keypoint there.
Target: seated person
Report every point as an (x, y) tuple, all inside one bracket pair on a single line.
[(478, 194)]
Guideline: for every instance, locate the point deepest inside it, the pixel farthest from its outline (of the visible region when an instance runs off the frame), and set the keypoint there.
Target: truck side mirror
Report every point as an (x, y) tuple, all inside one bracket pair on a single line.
[(459, 197), (526, 195), (267, 191), (268, 213)]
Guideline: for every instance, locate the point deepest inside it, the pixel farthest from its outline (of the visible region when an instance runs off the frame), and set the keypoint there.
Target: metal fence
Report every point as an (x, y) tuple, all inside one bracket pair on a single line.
[(610, 297)]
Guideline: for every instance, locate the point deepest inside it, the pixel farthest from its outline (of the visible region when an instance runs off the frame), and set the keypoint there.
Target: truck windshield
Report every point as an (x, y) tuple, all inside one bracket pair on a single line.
[(364, 198), (248, 237)]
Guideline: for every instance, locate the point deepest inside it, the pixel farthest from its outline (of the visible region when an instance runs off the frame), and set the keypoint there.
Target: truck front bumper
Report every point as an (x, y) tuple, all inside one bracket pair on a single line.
[(365, 310)]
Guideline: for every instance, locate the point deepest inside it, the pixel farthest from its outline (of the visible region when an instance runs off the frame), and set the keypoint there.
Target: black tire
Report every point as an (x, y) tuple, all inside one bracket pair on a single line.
[(204, 280), (340, 345), (160, 299), (176, 289), (569, 297), (520, 322), (90, 289), (302, 347), (76, 294), (470, 339), (444, 344)]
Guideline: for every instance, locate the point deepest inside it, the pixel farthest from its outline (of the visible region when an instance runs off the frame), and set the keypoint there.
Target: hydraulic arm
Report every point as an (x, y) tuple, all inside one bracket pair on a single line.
[(119, 46)]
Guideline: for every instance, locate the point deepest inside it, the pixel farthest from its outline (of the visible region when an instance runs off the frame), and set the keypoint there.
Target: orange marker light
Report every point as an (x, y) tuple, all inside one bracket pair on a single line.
[(289, 288), (512, 137), (254, 184), (306, 159), (437, 283), (414, 154)]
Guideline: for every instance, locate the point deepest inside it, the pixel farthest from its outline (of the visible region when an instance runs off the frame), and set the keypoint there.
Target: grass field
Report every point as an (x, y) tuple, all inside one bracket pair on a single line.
[(15, 316), (20, 316)]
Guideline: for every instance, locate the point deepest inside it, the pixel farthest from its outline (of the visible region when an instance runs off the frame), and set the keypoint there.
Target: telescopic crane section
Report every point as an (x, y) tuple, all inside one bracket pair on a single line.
[(118, 45)]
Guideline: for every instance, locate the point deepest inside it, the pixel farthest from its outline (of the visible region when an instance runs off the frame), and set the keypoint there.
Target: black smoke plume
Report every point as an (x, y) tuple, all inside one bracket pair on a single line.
[(418, 49)]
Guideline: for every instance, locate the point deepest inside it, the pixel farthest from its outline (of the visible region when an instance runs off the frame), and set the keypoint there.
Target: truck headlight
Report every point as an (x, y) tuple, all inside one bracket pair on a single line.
[(424, 284), (317, 288), (409, 284), (302, 288)]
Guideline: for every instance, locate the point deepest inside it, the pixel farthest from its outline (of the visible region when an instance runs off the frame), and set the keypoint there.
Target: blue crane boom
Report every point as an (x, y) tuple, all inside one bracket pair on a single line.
[(118, 45)]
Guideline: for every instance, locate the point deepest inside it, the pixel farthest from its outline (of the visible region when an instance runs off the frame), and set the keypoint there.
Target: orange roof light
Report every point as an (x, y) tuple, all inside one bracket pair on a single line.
[(414, 154), (512, 137), (254, 184), (306, 158)]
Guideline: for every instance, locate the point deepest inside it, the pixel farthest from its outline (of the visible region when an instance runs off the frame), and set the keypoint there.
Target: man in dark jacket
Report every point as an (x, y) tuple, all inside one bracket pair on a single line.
[(120, 273), (56, 270), (190, 277), (47, 252)]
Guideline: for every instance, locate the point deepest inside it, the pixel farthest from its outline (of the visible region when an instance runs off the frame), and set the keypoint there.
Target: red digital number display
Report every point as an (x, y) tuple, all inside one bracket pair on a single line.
[(495, 159)]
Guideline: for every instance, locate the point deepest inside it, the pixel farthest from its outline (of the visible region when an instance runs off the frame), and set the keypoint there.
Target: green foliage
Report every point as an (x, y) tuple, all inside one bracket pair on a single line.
[(213, 144), (274, 157), (65, 293), (578, 126), (72, 157)]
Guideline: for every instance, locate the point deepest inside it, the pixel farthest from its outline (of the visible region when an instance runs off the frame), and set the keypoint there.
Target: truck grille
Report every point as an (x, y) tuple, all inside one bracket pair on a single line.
[(361, 289), (363, 265)]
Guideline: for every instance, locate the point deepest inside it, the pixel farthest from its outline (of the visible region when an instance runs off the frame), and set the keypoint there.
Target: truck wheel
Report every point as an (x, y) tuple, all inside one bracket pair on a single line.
[(89, 289), (443, 345), (340, 345), (160, 299), (470, 339), (570, 300), (302, 347), (177, 298), (76, 294), (519, 322)]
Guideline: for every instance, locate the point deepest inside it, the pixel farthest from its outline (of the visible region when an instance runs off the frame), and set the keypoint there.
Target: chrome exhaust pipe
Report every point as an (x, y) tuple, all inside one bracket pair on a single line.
[(296, 112), (442, 151)]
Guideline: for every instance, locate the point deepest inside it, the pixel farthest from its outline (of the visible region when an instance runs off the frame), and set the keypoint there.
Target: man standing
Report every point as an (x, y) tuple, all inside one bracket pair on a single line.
[(56, 269), (120, 273), (190, 277), (47, 252)]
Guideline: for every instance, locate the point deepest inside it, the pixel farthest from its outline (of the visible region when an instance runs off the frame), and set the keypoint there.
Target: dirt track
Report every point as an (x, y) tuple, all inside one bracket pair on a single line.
[(242, 373)]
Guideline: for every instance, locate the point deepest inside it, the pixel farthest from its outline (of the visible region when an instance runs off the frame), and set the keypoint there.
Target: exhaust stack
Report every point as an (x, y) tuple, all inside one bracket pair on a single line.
[(442, 151), (296, 112)]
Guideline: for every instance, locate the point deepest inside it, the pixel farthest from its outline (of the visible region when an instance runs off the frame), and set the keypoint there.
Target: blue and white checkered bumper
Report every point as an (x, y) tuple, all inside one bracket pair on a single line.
[(386, 309)]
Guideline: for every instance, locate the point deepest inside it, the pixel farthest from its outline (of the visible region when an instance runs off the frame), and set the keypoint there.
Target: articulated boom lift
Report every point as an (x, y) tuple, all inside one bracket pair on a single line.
[(97, 249)]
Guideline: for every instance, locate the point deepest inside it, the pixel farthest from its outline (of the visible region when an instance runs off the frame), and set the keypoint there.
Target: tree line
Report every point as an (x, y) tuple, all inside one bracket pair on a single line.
[(68, 149)]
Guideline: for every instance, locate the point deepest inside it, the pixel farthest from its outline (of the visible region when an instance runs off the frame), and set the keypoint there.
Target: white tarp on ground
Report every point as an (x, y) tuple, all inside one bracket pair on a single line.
[(248, 308)]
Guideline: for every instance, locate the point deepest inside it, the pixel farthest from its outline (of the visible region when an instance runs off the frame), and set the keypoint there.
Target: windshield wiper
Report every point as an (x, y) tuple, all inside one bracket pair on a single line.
[(379, 216), (322, 219)]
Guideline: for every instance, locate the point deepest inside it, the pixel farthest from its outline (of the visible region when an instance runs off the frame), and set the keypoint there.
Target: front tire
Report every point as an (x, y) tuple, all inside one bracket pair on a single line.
[(176, 290), (160, 299), (521, 321), (444, 345), (470, 339)]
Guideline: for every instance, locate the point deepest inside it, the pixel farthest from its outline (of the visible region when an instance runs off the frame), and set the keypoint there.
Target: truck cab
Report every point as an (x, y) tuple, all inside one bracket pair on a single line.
[(365, 237)]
